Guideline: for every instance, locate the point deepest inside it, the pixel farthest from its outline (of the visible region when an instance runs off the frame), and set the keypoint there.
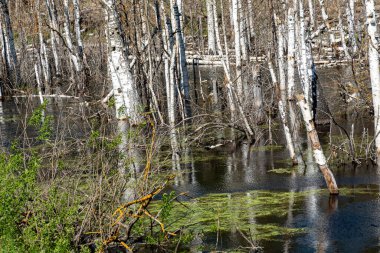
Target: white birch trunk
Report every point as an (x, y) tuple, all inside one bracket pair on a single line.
[(311, 13), (325, 18), (125, 92), (232, 98), (169, 61), (69, 43), (243, 30), (37, 71), (318, 154), (211, 27), (53, 39), (283, 117), (235, 11), (373, 58), (182, 59), (342, 35), (350, 10), (291, 54), (251, 19), (9, 38), (43, 53), (280, 59), (78, 33)]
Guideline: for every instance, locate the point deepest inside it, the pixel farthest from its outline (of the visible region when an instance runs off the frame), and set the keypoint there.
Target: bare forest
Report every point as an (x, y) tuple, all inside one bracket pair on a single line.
[(189, 126)]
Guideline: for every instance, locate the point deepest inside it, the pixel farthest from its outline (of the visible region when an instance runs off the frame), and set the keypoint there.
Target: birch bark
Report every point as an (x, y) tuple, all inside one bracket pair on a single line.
[(125, 92), (78, 33), (8, 34), (318, 154), (235, 14), (373, 58), (69, 43), (211, 27), (350, 10)]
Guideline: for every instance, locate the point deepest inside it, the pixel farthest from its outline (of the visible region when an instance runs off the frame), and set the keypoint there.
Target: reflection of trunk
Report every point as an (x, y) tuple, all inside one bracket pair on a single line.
[(319, 156), (294, 126), (373, 58), (289, 221)]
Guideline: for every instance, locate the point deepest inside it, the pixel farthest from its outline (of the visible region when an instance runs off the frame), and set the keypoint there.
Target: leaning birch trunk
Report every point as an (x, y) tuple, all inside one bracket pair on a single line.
[(318, 154), (235, 14), (211, 27), (373, 58), (283, 117), (8, 33), (182, 60)]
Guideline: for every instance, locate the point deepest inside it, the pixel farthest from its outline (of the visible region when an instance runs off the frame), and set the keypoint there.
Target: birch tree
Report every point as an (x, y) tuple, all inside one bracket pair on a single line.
[(182, 60), (373, 58), (237, 35), (126, 98), (9, 45), (350, 11), (53, 23), (318, 154), (66, 25), (78, 33), (210, 4)]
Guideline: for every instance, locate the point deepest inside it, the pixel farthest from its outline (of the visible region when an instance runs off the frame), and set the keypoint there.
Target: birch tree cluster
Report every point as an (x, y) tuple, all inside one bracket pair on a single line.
[(144, 57)]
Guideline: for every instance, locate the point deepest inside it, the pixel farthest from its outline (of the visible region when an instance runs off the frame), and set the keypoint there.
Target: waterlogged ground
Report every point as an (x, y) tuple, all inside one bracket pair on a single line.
[(241, 196), (277, 221)]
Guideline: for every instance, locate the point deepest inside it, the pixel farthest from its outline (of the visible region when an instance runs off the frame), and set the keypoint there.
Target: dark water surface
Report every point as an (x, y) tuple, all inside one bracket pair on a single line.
[(347, 223)]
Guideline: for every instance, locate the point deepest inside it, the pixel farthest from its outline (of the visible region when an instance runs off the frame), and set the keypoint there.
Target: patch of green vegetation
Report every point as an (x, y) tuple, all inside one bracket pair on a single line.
[(244, 211), (282, 170)]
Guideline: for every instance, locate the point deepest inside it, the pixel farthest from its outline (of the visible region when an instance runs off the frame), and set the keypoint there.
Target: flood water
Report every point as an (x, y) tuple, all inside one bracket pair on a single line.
[(253, 191)]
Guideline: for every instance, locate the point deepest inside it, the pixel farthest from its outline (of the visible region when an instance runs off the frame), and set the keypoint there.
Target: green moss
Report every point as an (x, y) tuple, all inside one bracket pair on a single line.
[(258, 212), (282, 170)]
